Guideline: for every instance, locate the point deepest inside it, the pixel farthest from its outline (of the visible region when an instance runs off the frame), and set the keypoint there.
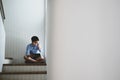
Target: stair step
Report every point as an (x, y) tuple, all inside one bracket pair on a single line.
[(28, 64), (39, 75), (15, 73), (24, 67), (8, 60)]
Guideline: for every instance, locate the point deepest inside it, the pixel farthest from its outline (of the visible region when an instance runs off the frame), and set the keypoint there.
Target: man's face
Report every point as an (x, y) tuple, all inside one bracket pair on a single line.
[(35, 43)]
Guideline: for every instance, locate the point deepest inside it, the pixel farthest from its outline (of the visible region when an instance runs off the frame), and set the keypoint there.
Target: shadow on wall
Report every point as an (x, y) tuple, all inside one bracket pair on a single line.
[(2, 43)]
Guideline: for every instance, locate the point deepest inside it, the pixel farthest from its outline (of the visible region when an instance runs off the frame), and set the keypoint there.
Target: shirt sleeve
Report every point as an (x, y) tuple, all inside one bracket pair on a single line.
[(28, 50)]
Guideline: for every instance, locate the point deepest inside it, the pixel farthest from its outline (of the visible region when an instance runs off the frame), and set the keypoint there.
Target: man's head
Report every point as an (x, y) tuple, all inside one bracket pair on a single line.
[(34, 40)]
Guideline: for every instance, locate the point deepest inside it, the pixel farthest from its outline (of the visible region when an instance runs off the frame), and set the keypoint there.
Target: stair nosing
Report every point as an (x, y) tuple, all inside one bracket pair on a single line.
[(9, 58), (10, 73), (25, 64)]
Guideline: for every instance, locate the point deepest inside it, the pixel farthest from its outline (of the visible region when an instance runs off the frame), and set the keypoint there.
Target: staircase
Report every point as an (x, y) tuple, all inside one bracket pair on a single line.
[(24, 72)]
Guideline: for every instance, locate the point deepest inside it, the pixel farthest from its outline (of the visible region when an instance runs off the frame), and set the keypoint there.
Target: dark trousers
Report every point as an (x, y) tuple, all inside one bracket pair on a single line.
[(35, 56)]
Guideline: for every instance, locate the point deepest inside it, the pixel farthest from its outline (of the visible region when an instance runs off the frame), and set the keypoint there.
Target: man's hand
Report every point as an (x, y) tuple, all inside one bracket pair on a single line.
[(38, 46)]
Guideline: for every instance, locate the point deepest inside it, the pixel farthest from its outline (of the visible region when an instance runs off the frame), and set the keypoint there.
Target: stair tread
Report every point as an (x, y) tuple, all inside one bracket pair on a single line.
[(28, 64), (36, 72)]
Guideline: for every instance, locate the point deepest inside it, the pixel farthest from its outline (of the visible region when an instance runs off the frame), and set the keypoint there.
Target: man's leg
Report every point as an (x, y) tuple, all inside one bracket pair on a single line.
[(39, 59), (29, 59)]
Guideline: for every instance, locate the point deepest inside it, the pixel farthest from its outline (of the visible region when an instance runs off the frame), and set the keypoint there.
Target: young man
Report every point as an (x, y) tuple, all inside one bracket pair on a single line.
[(33, 52)]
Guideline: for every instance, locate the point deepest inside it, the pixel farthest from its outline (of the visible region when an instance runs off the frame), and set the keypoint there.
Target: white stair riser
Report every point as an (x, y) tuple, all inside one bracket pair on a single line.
[(8, 61), (23, 68), (23, 77)]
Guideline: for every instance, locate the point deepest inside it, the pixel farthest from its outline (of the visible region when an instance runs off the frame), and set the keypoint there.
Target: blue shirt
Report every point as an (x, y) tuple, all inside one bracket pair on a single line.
[(32, 49)]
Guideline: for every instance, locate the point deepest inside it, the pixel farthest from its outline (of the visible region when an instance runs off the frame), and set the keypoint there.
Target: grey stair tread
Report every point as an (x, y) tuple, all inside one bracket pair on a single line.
[(37, 72), (28, 64)]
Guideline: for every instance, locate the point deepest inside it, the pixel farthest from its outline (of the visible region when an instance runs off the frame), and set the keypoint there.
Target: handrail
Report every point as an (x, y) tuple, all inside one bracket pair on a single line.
[(2, 10)]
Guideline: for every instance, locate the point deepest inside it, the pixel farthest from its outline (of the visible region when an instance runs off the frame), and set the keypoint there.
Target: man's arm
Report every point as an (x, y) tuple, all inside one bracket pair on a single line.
[(39, 47), (28, 51)]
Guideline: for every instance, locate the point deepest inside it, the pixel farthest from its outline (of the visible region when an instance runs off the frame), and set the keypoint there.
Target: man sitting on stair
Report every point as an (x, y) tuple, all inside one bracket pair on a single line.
[(33, 52)]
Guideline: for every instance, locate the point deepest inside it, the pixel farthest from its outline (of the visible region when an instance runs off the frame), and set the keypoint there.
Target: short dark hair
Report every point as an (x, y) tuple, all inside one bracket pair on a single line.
[(34, 38)]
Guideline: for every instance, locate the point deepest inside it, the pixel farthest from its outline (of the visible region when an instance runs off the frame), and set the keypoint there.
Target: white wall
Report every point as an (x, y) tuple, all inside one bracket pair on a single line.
[(2, 43), (24, 18), (84, 40)]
